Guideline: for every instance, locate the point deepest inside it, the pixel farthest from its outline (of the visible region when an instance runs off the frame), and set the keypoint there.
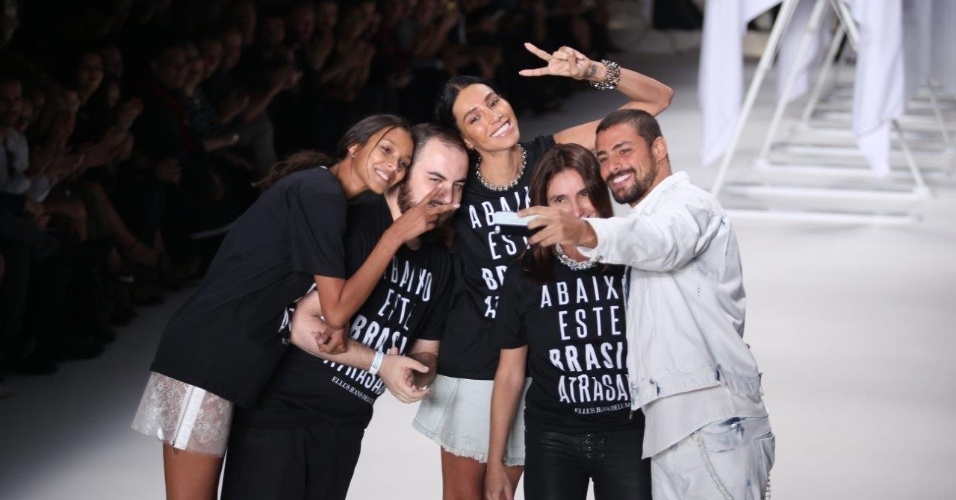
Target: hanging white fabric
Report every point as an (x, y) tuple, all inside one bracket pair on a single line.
[(721, 78)]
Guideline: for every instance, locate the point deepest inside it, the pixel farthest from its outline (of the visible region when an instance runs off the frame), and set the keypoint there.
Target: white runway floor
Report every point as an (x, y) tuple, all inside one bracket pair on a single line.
[(853, 326)]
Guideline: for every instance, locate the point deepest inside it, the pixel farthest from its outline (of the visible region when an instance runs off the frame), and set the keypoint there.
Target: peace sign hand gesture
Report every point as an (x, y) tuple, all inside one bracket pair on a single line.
[(422, 217), (562, 62)]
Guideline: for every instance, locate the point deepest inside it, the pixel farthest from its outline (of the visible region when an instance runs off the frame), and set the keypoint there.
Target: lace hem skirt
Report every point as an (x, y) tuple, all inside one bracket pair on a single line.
[(184, 416)]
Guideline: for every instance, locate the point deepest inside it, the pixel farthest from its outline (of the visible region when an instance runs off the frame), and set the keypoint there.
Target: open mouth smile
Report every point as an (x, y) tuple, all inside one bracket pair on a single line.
[(620, 179), (502, 130)]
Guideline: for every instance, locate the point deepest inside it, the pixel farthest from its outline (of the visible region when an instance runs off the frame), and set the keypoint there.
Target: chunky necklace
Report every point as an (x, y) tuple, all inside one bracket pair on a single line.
[(572, 264), (481, 179)]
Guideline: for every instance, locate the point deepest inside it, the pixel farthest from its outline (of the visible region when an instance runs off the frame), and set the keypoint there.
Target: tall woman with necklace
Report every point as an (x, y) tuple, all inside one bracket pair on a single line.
[(456, 414)]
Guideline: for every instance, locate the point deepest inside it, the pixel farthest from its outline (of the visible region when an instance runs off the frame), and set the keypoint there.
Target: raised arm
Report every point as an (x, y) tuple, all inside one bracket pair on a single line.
[(341, 298), (642, 91)]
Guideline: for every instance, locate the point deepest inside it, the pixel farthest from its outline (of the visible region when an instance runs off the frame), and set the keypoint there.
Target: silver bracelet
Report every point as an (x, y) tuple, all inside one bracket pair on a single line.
[(612, 75)]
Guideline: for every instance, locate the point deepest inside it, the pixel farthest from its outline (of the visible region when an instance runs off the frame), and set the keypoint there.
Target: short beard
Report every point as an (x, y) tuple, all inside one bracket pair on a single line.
[(405, 200), (637, 190)]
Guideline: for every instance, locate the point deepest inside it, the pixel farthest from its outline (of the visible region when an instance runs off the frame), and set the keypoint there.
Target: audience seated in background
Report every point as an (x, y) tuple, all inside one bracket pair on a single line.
[(130, 132)]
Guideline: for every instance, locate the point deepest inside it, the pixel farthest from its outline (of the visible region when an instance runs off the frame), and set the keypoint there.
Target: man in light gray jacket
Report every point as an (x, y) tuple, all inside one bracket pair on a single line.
[(708, 431)]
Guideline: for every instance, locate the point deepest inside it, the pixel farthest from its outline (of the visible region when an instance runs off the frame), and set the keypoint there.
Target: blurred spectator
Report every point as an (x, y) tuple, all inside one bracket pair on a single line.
[(120, 167), (420, 31), (391, 73), (9, 21), (247, 103), (310, 46), (236, 172), (15, 174), (165, 138), (242, 15), (112, 61)]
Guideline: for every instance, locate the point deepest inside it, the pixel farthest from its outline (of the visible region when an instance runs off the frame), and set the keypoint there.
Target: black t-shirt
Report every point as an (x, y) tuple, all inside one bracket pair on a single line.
[(481, 258), (409, 303), (573, 326), (225, 337)]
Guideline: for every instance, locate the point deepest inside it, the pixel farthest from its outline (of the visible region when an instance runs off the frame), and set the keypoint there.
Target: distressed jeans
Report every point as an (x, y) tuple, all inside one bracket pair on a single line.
[(727, 459)]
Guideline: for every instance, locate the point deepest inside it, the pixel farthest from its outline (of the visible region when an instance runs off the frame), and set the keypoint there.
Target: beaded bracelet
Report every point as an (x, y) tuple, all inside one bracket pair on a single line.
[(612, 75)]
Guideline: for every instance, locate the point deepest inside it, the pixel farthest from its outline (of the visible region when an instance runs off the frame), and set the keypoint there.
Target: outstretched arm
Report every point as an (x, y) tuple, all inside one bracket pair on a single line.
[(667, 239), (643, 91)]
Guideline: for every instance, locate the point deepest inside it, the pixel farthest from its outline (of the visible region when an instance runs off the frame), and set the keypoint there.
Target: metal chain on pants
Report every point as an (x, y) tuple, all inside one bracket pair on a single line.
[(710, 466), (713, 472)]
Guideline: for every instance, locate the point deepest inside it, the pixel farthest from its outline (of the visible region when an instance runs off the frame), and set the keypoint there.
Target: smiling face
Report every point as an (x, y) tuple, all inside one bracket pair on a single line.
[(628, 165), (485, 119), (440, 165), (382, 161), (568, 192)]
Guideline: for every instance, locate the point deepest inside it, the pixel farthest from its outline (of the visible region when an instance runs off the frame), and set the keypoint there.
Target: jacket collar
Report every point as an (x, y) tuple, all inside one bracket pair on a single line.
[(665, 185)]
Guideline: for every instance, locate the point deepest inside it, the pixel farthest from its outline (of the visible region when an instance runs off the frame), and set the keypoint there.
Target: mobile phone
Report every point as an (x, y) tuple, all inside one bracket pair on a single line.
[(510, 222)]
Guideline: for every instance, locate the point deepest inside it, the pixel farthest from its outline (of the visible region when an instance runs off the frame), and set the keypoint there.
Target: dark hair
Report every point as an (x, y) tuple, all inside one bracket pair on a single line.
[(449, 93), (559, 158), (358, 134), (643, 122), (424, 132)]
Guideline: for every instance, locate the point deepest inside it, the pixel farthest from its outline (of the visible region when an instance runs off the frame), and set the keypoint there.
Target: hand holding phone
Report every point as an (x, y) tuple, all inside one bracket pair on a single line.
[(510, 220)]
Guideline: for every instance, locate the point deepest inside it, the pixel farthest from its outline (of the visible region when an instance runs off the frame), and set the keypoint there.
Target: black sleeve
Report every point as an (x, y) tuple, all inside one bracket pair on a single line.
[(508, 331), (434, 326), (317, 213), (368, 218)]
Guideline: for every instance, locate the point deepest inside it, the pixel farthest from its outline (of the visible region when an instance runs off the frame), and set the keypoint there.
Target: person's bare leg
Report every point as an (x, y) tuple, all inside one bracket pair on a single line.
[(464, 478), (190, 476)]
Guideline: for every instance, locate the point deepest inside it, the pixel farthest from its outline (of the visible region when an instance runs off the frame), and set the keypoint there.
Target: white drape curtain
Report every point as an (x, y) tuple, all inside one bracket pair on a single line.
[(721, 78), (903, 43)]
